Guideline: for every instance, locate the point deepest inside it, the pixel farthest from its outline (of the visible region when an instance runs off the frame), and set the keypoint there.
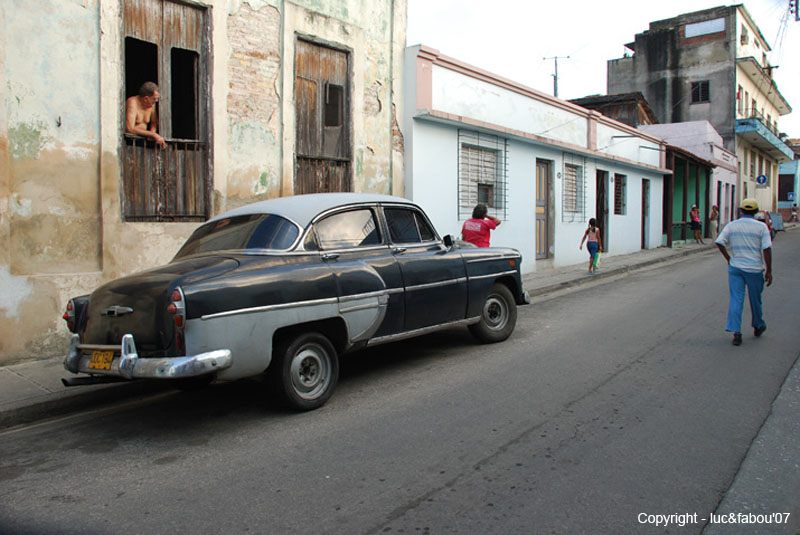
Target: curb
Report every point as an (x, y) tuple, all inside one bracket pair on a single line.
[(627, 268), (65, 403)]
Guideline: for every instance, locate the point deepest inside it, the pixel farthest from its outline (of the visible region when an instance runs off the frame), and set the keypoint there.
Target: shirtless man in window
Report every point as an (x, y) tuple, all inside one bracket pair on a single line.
[(140, 114)]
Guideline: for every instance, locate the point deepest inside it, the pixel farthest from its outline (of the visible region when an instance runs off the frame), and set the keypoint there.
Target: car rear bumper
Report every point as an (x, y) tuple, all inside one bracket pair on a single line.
[(126, 364)]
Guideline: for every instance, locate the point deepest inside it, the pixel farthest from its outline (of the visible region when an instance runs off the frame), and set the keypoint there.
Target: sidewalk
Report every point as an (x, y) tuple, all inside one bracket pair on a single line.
[(32, 390)]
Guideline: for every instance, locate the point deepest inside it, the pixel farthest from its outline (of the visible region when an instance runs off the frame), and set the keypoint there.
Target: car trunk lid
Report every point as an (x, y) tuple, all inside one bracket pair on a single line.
[(137, 304)]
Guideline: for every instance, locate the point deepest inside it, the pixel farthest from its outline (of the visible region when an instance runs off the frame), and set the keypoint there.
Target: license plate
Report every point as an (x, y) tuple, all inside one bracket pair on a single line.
[(101, 360)]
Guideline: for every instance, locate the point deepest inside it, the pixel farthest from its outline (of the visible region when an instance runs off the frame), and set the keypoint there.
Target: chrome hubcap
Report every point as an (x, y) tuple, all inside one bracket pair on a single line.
[(310, 371), (495, 313)]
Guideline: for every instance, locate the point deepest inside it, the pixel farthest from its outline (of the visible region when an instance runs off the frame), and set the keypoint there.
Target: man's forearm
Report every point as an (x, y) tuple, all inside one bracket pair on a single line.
[(724, 252)]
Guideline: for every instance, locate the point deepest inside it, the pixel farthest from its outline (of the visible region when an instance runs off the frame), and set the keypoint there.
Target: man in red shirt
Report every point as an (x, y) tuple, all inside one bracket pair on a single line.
[(477, 230)]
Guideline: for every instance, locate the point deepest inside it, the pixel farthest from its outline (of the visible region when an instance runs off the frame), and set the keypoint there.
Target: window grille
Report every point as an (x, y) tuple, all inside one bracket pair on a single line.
[(700, 91), (573, 195), (482, 173), (620, 194)]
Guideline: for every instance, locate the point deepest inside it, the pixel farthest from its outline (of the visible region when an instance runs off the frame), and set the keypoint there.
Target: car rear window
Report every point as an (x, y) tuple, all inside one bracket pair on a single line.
[(255, 231)]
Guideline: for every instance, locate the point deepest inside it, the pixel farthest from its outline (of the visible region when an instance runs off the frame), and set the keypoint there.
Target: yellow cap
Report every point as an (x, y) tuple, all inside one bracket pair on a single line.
[(749, 204)]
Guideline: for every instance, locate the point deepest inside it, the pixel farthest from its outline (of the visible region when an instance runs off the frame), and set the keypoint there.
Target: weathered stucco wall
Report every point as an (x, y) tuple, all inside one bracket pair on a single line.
[(61, 120), (253, 103), (49, 149)]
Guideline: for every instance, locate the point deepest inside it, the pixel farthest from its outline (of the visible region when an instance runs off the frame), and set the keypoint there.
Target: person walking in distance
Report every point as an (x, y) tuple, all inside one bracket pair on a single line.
[(743, 243), (694, 216), (594, 243), (713, 221), (477, 230)]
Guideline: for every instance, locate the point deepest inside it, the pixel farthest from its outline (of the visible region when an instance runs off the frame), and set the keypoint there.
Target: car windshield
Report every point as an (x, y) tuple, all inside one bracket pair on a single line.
[(255, 231)]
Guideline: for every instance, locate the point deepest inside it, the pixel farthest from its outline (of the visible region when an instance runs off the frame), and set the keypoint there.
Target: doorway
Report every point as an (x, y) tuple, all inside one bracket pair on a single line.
[(601, 206), (542, 209), (645, 213)]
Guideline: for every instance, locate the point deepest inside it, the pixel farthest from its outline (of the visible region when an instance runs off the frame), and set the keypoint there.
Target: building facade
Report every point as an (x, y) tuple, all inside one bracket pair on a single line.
[(712, 65), (789, 182), (258, 99), (544, 166), (699, 138)]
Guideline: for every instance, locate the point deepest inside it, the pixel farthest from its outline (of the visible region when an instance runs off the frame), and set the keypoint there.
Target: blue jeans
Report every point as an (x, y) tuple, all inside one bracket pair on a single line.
[(737, 280), (592, 247)]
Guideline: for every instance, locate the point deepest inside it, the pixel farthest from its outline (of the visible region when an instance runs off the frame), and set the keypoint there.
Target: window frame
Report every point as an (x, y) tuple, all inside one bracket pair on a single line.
[(318, 239), (620, 194), (173, 185), (701, 91), (473, 172), (419, 221), (573, 194)]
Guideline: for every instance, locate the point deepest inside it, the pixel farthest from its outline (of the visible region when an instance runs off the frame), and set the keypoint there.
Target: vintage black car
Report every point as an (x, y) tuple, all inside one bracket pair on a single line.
[(285, 286)]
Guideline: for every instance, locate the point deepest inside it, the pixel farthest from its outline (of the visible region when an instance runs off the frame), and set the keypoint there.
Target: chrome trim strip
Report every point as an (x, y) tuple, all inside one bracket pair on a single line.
[(421, 331), (356, 308), (498, 257), (436, 284), (493, 275), (267, 308), (376, 293)]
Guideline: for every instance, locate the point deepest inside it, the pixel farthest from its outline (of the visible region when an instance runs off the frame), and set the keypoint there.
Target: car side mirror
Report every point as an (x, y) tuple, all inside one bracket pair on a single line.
[(448, 241)]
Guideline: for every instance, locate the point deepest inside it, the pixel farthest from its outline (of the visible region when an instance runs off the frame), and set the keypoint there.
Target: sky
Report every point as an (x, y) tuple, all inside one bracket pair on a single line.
[(511, 38)]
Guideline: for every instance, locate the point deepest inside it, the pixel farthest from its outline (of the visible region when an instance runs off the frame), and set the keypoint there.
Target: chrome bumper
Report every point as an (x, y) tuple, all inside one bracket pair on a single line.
[(128, 365)]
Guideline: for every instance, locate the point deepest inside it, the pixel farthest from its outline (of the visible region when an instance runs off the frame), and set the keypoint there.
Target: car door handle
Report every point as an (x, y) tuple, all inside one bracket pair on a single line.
[(330, 256), (399, 250)]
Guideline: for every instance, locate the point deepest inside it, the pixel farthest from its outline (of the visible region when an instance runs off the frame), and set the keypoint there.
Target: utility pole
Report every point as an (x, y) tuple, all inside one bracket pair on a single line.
[(555, 76)]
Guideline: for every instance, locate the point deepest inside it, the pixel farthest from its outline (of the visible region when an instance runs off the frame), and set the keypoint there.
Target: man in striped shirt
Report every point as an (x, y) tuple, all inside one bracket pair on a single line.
[(743, 243)]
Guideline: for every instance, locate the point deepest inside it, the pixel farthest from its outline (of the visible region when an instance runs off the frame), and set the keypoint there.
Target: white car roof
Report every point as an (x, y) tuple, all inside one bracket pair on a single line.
[(301, 209)]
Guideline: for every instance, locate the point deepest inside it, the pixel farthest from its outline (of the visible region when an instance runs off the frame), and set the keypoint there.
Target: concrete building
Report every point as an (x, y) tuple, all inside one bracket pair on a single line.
[(789, 182), (258, 99), (701, 139), (712, 65), (543, 165), (629, 108)]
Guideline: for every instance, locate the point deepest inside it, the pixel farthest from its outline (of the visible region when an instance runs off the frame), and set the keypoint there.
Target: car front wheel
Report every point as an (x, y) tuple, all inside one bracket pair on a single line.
[(498, 317), (305, 371)]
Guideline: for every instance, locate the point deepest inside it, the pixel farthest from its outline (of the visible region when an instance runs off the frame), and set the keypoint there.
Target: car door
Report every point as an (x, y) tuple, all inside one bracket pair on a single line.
[(367, 275), (434, 278)]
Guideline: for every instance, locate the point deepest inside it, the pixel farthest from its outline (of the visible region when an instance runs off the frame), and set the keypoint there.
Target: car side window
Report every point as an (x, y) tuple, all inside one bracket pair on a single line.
[(425, 230), (408, 226), (354, 228)]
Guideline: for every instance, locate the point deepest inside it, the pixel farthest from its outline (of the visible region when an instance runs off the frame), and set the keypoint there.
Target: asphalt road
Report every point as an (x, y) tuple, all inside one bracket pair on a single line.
[(609, 401)]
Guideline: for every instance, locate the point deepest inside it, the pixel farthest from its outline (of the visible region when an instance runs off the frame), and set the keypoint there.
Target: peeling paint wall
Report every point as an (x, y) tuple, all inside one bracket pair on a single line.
[(61, 123)]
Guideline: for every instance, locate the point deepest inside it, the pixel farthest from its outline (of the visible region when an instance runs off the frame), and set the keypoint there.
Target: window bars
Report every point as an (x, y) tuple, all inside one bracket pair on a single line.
[(482, 173), (573, 195), (620, 194)]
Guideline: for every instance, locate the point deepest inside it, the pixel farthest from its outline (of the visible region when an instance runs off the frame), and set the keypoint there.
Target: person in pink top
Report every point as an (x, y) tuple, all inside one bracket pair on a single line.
[(594, 244), (477, 230)]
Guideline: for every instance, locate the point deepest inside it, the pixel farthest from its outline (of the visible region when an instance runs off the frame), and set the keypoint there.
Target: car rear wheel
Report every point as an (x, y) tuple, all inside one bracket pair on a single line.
[(304, 371), (499, 316)]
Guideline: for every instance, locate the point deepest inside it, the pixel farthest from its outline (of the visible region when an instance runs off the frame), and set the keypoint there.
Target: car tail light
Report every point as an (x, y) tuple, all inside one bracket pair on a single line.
[(177, 308), (69, 316)]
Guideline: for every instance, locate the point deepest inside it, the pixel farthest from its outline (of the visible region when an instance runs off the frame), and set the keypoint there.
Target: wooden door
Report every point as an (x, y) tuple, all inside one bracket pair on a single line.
[(322, 119), (601, 206), (542, 209)]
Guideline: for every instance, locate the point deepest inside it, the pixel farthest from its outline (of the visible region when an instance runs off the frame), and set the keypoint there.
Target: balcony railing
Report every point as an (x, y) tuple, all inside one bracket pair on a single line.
[(769, 125), (165, 184)]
